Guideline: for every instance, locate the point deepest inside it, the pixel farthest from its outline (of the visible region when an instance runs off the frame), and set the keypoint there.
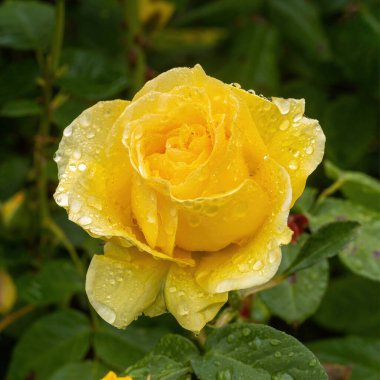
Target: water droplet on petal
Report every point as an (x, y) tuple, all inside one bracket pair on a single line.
[(309, 150), (284, 106), (90, 135), (85, 220), (237, 85), (272, 256), (82, 167), (62, 200), (243, 268), (85, 121), (266, 157), (297, 117), (284, 125), (57, 157), (77, 154), (68, 131), (75, 205), (257, 265), (172, 289), (293, 165)]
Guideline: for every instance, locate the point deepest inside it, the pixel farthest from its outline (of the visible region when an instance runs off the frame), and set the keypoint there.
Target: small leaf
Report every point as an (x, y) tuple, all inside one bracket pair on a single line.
[(87, 370), (52, 341), (357, 187), (328, 241), (252, 351), (176, 347), (20, 108), (351, 305), (362, 254), (57, 281), (361, 355), (157, 367), (92, 75), (26, 24), (298, 296), (121, 348)]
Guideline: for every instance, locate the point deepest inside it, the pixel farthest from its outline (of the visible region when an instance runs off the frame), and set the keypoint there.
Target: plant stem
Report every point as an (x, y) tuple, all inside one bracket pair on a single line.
[(330, 190), (270, 284), (13, 317)]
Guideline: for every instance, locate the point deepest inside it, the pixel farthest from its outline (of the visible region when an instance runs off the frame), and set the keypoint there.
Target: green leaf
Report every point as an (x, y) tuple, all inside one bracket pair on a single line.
[(57, 281), (295, 18), (92, 75), (26, 24), (20, 108), (66, 113), (352, 305), (357, 187), (51, 342), (361, 355), (169, 360), (176, 347), (121, 348), (252, 351), (362, 254), (298, 296), (328, 241), (158, 367), (87, 370)]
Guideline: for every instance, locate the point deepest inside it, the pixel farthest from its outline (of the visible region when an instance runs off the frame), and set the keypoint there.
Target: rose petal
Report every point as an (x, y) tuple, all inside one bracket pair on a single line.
[(256, 261), (96, 179), (294, 141), (123, 283), (187, 301)]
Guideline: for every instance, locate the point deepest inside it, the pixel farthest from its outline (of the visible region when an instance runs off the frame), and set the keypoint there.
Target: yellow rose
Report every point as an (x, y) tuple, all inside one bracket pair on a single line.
[(8, 292), (112, 376), (190, 184)]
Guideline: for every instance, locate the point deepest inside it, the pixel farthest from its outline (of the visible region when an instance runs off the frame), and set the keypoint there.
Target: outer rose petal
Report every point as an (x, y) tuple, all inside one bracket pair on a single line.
[(187, 301), (95, 178), (256, 261), (294, 141), (123, 283)]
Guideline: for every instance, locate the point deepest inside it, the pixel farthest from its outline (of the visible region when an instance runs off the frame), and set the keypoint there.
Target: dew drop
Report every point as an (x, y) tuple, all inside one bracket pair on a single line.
[(90, 135), (284, 106), (82, 167), (75, 205), (84, 121), (297, 117), (257, 342), (243, 268), (72, 167), (62, 200), (172, 289), (77, 154), (246, 331), (68, 131), (275, 342), (266, 157), (312, 363), (224, 375), (151, 218), (183, 311), (230, 338), (284, 125), (272, 256), (257, 265), (85, 220), (309, 149), (57, 157), (237, 85), (252, 92), (293, 165), (112, 281), (277, 354)]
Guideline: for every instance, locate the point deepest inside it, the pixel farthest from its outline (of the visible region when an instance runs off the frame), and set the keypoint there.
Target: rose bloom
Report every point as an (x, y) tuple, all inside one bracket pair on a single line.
[(190, 185), (112, 376)]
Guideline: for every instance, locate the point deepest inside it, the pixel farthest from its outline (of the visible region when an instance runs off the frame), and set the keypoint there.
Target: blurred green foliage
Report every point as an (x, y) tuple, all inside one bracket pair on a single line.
[(58, 58)]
